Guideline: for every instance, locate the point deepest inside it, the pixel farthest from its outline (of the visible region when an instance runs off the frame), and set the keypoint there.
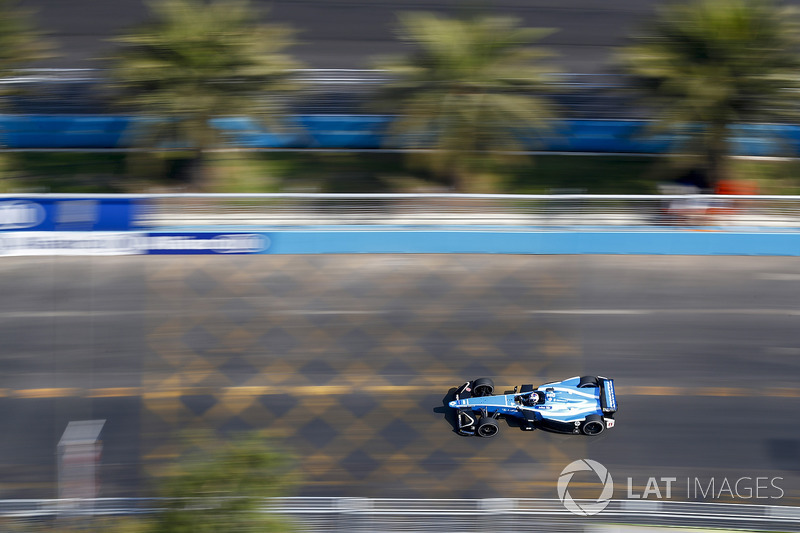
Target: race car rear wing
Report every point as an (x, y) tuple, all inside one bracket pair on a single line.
[(608, 396)]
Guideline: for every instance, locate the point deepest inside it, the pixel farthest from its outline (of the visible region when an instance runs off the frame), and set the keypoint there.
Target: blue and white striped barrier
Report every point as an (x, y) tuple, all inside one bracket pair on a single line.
[(399, 242), (40, 224)]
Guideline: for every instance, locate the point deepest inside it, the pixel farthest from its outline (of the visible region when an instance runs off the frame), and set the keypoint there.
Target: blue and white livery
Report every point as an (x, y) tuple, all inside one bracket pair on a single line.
[(579, 405)]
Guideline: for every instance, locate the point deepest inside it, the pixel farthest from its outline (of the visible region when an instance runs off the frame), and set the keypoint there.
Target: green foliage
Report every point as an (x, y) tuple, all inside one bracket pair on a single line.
[(63, 172), (578, 174), (199, 60), (470, 90), (708, 64), (20, 42), (770, 176), (220, 487)]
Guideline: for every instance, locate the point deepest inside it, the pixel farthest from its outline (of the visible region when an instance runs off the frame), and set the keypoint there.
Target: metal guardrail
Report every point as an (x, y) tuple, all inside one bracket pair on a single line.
[(439, 515), (454, 211), (506, 211), (326, 91)]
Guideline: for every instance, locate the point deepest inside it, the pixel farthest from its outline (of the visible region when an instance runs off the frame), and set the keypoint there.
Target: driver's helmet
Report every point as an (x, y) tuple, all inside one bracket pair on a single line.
[(533, 399)]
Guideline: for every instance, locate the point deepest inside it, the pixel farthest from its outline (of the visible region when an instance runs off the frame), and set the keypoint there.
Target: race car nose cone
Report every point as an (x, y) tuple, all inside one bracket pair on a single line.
[(453, 404)]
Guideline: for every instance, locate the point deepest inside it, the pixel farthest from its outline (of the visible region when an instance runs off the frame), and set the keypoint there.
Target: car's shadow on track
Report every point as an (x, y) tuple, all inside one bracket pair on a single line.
[(448, 412)]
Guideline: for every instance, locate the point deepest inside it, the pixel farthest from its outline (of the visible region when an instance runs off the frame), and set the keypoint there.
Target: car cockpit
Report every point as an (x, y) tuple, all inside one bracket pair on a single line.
[(530, 399)]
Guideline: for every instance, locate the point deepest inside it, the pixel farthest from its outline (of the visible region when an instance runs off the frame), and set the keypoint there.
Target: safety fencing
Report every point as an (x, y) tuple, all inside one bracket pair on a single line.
[(439, 515), (398, 223), (574, 211), (123, 212)]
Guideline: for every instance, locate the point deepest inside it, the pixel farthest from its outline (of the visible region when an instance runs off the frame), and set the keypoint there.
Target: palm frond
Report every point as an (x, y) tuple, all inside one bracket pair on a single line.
[(473, 86)]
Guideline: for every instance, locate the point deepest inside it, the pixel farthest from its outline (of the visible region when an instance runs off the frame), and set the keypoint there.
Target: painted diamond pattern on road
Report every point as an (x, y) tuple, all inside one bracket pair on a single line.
[(347, 360)]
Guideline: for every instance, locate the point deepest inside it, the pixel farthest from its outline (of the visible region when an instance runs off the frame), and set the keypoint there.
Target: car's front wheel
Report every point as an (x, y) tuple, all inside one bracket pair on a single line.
[(482, 387), (487, 427), (593, 425)]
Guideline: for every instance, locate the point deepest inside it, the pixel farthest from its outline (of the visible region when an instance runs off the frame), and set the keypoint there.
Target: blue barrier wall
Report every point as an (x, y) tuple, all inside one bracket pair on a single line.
[(112, 224), (534, 242), (398, 242), (63, 131), (368, 132)]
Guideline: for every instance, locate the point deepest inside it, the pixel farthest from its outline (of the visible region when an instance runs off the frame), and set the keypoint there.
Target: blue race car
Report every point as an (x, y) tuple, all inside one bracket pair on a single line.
[(576, 405)]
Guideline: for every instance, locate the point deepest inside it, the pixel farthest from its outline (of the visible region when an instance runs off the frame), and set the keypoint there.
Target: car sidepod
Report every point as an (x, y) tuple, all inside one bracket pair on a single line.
[(579, 405)]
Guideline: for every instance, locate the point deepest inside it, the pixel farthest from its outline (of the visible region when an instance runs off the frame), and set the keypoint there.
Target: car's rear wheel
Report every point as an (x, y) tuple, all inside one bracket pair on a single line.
[(588, 381), (593, 425), (482, 387), (487, 427)]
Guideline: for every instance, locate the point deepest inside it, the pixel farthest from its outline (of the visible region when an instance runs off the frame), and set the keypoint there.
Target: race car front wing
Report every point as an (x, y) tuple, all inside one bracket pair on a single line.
[(465, 417)]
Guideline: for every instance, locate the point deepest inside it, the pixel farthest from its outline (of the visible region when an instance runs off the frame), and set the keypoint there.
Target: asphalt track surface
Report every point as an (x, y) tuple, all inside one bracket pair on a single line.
[(349, 34), (347, 360)]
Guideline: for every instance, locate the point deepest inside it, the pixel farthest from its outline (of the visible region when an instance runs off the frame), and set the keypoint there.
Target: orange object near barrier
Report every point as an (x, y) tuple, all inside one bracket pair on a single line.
[(742, 187), (733, 188)]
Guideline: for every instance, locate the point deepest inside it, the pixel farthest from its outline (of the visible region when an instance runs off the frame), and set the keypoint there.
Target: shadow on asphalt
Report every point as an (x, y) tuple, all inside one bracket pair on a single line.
[(449, 413)]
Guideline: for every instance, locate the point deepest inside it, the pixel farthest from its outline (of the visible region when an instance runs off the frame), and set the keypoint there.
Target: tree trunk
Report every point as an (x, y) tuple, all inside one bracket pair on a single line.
[(716, 154), (189, 170)]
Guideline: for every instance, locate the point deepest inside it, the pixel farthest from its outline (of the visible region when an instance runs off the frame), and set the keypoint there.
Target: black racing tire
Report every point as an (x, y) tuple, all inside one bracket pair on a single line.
[(593, 425), (482, 387), (487, 427), (588, 381)]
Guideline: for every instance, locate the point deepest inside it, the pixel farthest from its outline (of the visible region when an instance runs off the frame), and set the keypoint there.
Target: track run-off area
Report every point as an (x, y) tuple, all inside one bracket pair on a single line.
[(347, 361)]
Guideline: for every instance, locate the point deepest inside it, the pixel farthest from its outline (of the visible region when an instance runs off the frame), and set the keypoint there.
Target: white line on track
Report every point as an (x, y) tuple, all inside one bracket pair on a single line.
[(66, 314), (778, 276), (591, 311), (333, 312), (329, 312), (787, 312)]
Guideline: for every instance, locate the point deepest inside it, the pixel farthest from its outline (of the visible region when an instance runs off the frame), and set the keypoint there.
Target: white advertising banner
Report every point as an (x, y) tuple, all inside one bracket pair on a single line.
[(72, 243)]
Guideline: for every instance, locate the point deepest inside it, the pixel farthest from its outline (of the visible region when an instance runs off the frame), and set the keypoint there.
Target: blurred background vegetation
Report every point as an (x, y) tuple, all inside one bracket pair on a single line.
[(217, 486), (194, 62), (470, 98)]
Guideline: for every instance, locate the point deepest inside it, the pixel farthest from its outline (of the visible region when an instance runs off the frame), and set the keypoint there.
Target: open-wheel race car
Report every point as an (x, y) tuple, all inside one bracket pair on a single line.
[(579, 405)]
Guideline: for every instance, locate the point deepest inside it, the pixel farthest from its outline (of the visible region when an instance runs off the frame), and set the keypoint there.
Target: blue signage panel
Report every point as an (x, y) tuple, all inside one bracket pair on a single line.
[(207, 243), (68, 214)]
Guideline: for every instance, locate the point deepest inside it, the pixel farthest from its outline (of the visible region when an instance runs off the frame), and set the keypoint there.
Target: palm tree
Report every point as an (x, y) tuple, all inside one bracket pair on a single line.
[(199, 60), (706, 65), (468, 92)]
